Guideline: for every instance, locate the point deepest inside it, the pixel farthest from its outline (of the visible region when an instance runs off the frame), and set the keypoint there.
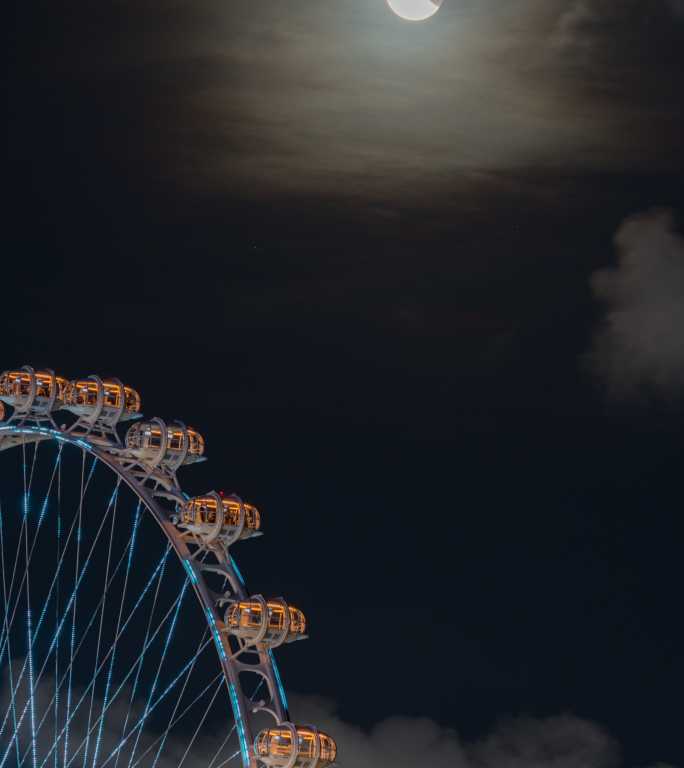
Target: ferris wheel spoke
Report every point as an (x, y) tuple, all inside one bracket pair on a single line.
[(139, 663), (60, 627), (167, 642), (230, 759), (162, 737), (33, 464), (176, 707), (103, 602), (17, 556), (25, 581), (135, 684), (32, 695), (110, 651), (117, 750), (54, 580), (72, 602), (72, 639), (141, 721), (219, 751), (175, 719), (220, 685), (59, 682), (122, 684), (42, 615), (58, 539), (29, 657), (33, 544), (131, 549), (12, 707), (29, 643)]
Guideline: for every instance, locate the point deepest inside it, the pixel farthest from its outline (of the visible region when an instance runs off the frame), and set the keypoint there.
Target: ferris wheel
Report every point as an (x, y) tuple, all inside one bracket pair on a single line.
[(105, 658)]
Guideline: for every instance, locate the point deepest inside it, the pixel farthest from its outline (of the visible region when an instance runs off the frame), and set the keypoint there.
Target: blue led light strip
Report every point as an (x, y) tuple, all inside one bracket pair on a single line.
[(84, 635), (57, 595), (175, 720), (22, 532), (216, 634), (175, 708), (237, 571), (281, 688), (44, 506), (72, 642), (102, 606), (98, 740), (162, 696), (190, 570), (32, 695), (201, 722), (65, 616), (54, 579), (104, 660), (240, 725), (13, 706), (139, 664), (31, 642), (167, 642), (29, 633), (29, 556), (44, 431)]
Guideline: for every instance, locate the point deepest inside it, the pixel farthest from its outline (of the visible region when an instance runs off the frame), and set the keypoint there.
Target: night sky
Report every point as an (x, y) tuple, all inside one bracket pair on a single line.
[(421, 286)]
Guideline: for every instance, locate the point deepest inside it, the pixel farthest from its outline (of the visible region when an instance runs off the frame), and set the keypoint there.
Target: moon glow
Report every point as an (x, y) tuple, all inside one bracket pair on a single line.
[(415, 10)]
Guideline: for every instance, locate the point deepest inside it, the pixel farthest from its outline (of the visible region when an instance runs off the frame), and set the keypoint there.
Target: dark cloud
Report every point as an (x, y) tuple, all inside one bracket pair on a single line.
[(639, 346), (619, 61), (677, 7), (620, 48)]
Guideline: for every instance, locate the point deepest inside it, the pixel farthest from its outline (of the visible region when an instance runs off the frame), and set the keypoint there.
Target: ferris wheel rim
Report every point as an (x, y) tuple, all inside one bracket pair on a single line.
[(230, 666)]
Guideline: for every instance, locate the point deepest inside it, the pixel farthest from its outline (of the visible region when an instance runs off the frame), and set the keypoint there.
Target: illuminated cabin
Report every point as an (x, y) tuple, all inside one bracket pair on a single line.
[(109, 399), (155, 443), (268, 623), (290, 746), (213, 517), (32, 393)]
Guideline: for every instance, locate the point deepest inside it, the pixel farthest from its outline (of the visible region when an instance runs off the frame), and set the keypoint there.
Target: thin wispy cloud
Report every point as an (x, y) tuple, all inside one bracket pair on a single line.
[(300, 95)]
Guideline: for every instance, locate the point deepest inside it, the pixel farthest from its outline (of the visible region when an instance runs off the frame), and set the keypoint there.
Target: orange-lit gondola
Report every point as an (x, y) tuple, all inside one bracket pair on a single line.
[(290, 746), (113, 398), (214, 518), (156, 443), (32, 394), (267, 623)]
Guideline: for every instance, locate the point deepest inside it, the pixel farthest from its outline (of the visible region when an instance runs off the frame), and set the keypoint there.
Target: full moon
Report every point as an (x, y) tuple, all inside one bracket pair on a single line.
[(415, 10)]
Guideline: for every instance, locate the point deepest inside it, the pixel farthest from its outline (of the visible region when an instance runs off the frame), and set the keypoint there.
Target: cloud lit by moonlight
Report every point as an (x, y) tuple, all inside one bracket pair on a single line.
[(415, 10)]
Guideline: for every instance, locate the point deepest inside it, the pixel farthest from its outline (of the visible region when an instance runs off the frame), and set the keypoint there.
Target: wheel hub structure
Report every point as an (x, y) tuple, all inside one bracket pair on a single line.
[(105, 658)]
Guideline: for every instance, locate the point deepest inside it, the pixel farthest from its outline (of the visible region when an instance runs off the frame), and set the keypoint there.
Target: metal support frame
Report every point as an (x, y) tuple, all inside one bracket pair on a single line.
[(160, 493)]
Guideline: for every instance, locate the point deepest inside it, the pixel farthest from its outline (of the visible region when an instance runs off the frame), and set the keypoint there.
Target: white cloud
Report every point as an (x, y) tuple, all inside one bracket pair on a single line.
[(402, 742), (397, 742), (639, 345), (200, 755)]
